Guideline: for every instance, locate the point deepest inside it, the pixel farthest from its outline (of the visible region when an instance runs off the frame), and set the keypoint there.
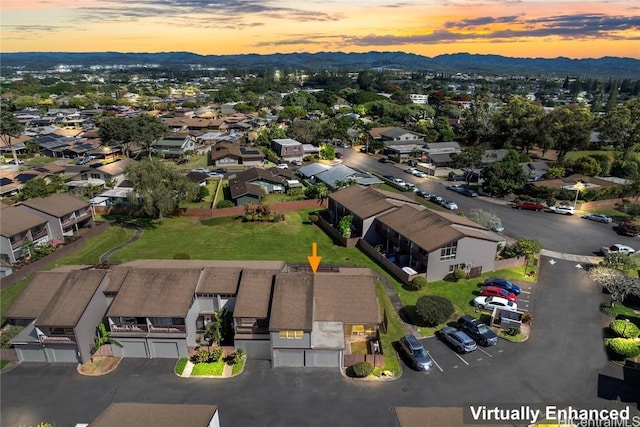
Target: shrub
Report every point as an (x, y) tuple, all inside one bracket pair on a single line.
[(181, 255), (512, 331), (202, 356), (362, 369), (8, 335), (434, 309), (624, 329), (417, 283), (623, 347), (527, 317), (459, 274), (216, 354), (225, 204), (313, 217)]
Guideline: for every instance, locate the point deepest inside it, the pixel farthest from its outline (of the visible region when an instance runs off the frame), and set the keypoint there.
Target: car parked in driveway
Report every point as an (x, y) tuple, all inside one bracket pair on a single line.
[(458, 339), (481, 333), (617, 248), (200, 170), (494, 291), (503, 283), (489, 303), (419, 357), (562, 209), (598, 217)]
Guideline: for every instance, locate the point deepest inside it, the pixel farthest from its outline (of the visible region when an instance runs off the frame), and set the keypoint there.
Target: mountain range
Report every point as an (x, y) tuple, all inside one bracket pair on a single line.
[(451, 63)]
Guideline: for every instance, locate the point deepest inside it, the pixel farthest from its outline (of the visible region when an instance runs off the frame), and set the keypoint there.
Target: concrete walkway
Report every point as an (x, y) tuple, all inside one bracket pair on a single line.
[(398, 306), (104, 258)]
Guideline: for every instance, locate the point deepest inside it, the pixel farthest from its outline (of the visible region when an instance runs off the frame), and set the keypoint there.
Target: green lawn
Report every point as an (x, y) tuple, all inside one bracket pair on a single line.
[(40, 160), (395, 331), (180, 365), (237, 368), (621, 311), (11, 293), (229, 238), (208, 369)]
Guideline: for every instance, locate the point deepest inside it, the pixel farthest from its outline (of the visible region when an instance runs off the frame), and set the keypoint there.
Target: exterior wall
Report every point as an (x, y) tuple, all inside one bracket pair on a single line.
[(7, 250), (476, 252), (190, 323), (55, 226), (277, 342), (206, 304), (131, 347), (85, 330), (227, 161), (215, 421)]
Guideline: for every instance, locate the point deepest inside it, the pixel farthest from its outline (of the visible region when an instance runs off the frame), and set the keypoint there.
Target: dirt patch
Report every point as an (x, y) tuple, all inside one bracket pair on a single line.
[(100, 365)]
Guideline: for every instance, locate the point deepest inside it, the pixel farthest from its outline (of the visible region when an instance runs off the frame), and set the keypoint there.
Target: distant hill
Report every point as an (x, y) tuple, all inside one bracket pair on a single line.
[(451, 63)]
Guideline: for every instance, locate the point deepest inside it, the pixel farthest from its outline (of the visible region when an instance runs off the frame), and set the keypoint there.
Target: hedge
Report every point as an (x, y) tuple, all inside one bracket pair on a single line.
[(623, 347), (624, 329), (417, 283), (434, 309)]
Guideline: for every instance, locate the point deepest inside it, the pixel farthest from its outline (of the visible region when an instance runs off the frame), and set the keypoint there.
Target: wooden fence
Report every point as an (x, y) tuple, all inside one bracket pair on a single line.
[(377, 360)]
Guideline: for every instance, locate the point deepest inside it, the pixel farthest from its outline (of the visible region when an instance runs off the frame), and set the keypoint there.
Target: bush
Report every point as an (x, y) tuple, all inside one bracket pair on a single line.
[(417, 283), (624, 329), (362, 369), (512, 331), (9, 334), (216, 354), (225, 204), (623, 347), (459, 274), (434, 309)]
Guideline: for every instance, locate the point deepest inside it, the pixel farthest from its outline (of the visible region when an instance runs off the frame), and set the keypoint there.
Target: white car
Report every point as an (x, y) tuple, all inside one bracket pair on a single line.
[(563, 209), (489, 303), (452, 206), (617, 248), (410, 171), (200, 170), (419, 174), (283, 166)]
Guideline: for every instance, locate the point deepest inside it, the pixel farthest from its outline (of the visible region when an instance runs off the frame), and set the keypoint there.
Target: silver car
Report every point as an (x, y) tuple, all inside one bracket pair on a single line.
[(419, 357), (459, 340)]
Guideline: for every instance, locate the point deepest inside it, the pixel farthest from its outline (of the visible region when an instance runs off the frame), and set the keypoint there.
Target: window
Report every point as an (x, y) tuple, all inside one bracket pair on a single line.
[(291, 335), (95, 176), (449, 252), (453, 267)]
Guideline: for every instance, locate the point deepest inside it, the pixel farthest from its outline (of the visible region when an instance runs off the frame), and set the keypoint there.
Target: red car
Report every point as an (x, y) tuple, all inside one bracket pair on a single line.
[(494, 291), (532, 206)]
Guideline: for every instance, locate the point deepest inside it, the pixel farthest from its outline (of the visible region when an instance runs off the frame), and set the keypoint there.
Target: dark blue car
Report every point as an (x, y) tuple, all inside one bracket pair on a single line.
[(504, 284)]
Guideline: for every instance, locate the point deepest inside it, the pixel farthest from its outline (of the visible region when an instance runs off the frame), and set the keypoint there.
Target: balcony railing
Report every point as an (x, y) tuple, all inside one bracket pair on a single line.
[(16, 244), (168, 329), (76, 218), (130, 328), (57, 339), (39, 235)]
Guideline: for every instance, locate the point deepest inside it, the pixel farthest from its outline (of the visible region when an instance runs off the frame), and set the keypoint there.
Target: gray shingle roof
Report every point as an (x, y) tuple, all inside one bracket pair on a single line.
[(57, 205), (292, 305), (36, 295), (15, 220)]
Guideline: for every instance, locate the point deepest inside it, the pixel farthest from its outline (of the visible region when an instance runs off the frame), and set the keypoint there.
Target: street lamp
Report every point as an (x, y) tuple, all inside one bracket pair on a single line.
[(579, 186)]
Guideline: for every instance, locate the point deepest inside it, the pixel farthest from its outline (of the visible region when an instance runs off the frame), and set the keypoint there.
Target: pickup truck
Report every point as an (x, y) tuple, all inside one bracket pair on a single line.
[(532, 206), (617, 248), (629, 228)]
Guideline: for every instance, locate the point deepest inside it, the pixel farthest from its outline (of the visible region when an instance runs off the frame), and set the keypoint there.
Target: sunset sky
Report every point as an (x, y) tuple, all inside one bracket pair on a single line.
[(518, 28)]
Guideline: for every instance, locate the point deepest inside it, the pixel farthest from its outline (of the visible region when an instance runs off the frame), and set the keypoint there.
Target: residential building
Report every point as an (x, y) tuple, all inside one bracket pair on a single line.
[(289, 149), (227, 154), (440, 154), (254, 183), (336, 175), (113, 173), (175, 145), (20, 229), (64, 213)]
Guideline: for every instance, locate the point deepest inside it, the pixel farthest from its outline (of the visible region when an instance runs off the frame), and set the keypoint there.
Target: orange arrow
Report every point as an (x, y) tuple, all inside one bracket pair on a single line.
[(314, 259)]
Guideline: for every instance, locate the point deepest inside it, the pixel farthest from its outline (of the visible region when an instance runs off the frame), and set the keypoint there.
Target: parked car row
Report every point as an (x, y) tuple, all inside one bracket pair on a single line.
[(439, 200), (462, 190), (416, 172)]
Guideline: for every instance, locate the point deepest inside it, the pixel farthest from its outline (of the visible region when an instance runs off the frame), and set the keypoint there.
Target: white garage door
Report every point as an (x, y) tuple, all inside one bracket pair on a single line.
[(290, 358), (322, 358), (165, 350), (61, 354), (31, 353), (134, 349)]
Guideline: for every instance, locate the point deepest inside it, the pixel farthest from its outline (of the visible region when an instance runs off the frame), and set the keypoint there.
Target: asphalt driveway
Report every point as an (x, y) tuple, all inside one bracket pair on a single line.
[(563, 361)]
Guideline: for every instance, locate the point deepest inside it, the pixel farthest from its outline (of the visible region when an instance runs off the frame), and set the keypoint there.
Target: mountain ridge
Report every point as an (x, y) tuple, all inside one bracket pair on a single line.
[(450, 62)]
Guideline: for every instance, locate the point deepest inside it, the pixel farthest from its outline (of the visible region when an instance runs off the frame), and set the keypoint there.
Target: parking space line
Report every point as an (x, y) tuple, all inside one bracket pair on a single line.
[(460, 357), (525, 292), (523, 300), (436, 363), (485, 352)]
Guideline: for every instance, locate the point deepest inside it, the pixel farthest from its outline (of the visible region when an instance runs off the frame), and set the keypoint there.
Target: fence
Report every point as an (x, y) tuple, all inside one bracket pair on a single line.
[(508, 263), (381, 259), (335, 234), (377, 360), (9, 354)]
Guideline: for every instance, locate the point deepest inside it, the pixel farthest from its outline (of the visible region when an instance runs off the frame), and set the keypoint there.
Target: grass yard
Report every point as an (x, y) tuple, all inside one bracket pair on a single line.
[(180, 365), (395, 331), (359, 347), (238, 367), (212, 185), (621, 311), (232, 239), (11, 293), (208, 369)]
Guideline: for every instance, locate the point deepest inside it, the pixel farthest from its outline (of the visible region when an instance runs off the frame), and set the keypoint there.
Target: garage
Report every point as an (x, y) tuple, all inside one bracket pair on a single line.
[(288, 358), (260, 350), (64, 354), (164, 349), (132, 348), (323, 358), (30, 353)]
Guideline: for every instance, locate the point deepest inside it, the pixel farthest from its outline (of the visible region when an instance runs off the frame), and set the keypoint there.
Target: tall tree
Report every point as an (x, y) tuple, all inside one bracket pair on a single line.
[(505, 176), (469, 160), (117, 131), (621, 126), (147, 130), (10, 127), (158, 189), (570, 128), (517, 123)]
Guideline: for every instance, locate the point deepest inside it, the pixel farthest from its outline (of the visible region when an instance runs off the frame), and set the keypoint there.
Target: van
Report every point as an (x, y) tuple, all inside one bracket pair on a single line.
[(418, 356)]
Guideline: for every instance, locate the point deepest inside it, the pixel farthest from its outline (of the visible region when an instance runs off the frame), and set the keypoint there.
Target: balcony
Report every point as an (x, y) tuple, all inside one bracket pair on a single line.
[(75, 217), (133, 328), (17, 243), (37, 235), (58, 339), (171, 329)]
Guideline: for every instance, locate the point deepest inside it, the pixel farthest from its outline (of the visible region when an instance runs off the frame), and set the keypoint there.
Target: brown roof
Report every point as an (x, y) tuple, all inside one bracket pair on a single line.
[(345, 298), (15, 221), (426, 228), (219, 280), (254, 294), (116, 278), (57, 205), (36, 295), (187, 122), (126, 414), (116, 168), (376, 133), (436, 416), (69, 303), (364, 202), (292, 305), (155, 293)]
